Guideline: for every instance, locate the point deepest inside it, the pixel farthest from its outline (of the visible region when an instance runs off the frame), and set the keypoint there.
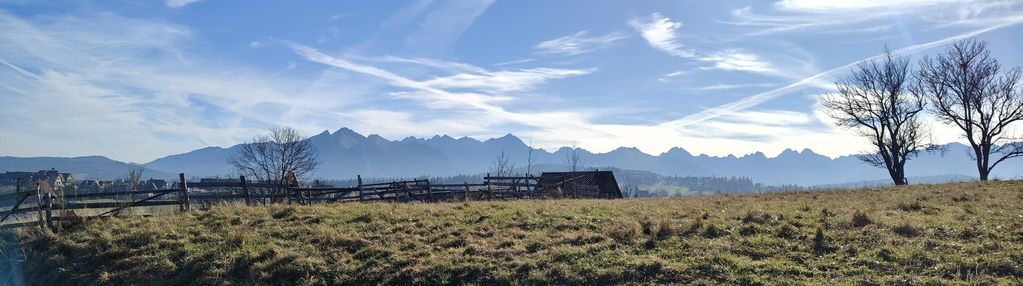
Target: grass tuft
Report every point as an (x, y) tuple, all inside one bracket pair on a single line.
[(860, 219), (906, 230)]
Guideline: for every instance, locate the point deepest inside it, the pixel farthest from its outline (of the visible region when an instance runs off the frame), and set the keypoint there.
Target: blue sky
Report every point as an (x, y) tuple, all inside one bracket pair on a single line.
[(137, 80)]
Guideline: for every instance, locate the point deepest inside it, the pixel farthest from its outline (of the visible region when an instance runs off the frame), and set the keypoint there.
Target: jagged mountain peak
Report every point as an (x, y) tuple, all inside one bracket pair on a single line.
[(346, 154), (377, 139), (507, 138), (677, 152), (629, 151), (345, 132), (756, 155), (788, 152)]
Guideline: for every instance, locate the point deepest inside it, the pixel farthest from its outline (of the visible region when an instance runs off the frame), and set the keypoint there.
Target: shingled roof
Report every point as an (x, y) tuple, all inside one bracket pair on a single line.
[(585, 184)]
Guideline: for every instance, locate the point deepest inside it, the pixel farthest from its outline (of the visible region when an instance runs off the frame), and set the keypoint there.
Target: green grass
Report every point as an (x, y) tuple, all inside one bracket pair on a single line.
[(966, 233)]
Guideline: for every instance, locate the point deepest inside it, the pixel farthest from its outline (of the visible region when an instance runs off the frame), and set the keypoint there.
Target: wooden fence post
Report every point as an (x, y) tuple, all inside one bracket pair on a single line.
[(20, 198), (429, 191), (360, 186), (486, 181), (529, 186), (183, 193), (408, 191), (49, 209), (39, 206), (466, 194), (515, 188), (245, 189)]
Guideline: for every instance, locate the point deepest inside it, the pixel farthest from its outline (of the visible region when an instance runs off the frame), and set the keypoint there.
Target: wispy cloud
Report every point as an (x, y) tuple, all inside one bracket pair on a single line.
[(734, 86), (577, 44), (132, 81), (659, 32), (446, 66), (668, 76), (180, 3), (505, 81), (815, 80), (870, 15), (515, 62), (862, 5), (735, 60), (443, 26)]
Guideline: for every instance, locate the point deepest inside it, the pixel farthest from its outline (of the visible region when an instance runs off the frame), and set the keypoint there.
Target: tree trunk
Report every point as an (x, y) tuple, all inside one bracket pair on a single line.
[(899, 175), (981, 158)]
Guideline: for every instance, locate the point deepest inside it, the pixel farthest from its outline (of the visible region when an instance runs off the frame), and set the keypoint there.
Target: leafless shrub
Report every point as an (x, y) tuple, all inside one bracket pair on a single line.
[(277, 158), (502, 166)]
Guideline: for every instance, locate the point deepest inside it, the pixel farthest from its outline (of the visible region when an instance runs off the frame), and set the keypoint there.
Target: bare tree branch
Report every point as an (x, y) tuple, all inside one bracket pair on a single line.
[(273, 157), (967, 91), (880, 103), (573, 160), (502, 166)]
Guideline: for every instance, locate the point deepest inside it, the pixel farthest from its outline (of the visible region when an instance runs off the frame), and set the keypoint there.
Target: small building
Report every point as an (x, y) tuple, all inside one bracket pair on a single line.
[(90, 186), (54, 180), (584, 184), (152, 184)]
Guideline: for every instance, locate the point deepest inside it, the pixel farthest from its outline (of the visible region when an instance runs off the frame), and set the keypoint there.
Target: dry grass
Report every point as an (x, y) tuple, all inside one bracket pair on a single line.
[(967, 233)]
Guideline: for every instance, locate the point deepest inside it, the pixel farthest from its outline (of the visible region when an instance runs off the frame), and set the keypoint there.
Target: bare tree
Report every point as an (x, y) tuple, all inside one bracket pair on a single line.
[(502, 166), (966, 90), (529, 157), (878, 102), (134, 178), (573, 160), (273, 157), (133, 182)]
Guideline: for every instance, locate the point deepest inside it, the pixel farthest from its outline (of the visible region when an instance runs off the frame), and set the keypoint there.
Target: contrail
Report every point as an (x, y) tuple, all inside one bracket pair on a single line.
[(762, 97)]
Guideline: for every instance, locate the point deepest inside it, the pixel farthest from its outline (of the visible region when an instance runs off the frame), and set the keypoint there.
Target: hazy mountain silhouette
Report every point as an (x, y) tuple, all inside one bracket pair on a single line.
[(86, 167), (346, 153)]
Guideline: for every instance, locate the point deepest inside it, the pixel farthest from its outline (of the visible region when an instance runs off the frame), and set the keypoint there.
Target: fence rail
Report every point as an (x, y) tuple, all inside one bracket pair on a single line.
[(45, 204)]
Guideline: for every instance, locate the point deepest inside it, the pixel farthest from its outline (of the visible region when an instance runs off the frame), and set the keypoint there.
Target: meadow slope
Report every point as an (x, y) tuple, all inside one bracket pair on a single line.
[(964, 233)]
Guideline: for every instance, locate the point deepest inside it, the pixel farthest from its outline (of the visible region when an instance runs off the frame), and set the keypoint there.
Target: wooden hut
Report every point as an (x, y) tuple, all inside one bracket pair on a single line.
[(584, 184)]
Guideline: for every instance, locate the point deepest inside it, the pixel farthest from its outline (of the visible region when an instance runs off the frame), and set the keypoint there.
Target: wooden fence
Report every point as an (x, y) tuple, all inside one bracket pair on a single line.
[(49, 208)]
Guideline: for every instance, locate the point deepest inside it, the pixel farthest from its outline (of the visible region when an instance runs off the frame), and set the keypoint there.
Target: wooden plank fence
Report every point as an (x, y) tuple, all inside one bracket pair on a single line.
[(51, 207)]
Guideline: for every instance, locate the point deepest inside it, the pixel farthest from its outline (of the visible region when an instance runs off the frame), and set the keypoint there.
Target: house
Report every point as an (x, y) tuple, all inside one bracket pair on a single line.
[(585, 184), (90, 186), (54, 180), (152, 184)]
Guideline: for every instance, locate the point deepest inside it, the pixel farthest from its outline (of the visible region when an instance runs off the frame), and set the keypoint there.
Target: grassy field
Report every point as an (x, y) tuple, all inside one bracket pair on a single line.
[(965, 233)]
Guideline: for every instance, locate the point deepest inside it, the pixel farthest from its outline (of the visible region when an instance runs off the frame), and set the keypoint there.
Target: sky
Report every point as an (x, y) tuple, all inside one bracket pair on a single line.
[(139, 80)]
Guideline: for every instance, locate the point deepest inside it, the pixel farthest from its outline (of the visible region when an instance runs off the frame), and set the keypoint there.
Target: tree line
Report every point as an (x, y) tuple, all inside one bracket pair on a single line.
[(884, 99)]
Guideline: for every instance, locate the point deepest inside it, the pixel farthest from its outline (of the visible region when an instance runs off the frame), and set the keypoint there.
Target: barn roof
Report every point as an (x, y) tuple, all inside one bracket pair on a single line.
[(584, 184)]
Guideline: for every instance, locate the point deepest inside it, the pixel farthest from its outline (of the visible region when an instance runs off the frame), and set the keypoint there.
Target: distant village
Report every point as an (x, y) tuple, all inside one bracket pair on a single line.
[(56, 181)]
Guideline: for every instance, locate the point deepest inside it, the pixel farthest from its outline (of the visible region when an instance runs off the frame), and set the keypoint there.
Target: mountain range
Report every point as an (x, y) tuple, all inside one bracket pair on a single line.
[(345, 153)]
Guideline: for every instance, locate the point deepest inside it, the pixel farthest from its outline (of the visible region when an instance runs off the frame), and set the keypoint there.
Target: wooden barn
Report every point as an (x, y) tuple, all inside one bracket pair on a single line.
[(584, 184)]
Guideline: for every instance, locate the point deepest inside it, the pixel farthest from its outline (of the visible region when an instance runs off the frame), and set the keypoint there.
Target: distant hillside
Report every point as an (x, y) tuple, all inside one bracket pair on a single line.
[(89, 167), (346, 153)]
